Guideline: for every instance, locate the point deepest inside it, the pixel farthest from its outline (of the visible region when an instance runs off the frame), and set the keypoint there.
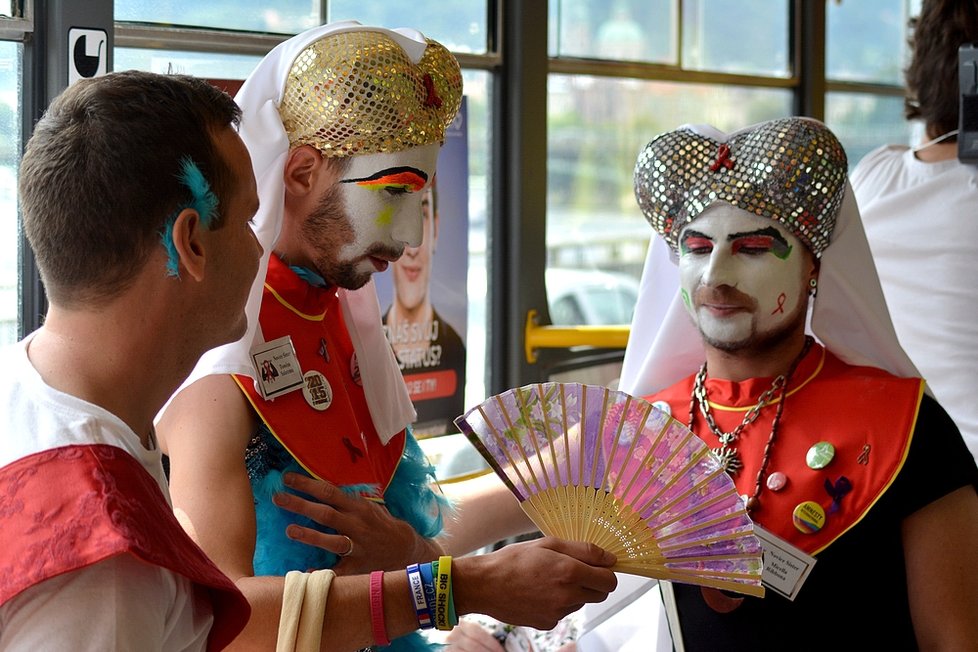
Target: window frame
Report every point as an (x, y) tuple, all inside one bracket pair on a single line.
[(519, 66)]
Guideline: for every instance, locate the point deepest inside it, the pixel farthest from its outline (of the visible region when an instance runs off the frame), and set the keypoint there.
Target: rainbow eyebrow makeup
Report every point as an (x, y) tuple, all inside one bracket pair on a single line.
[(405, 178)]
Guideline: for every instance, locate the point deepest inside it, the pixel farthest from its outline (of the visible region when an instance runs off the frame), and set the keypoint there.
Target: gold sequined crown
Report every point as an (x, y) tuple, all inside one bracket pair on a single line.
[(791, 170), (359, 93)]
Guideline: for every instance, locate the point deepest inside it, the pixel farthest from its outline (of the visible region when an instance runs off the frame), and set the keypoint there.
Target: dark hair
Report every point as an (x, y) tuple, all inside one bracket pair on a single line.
[(99, 176), (932, 76)]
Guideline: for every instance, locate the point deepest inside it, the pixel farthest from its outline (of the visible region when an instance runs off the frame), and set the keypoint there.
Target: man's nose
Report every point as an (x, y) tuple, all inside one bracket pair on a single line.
[(407, 227), (720, 270)]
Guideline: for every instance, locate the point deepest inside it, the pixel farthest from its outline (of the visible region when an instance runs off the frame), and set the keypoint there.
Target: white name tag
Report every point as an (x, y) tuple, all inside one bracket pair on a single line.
[(785, 567), (276, 368)]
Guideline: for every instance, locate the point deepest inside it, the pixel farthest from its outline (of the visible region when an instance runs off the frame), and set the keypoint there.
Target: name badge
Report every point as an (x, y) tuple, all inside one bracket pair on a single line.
[(785, 567), (276, 368)]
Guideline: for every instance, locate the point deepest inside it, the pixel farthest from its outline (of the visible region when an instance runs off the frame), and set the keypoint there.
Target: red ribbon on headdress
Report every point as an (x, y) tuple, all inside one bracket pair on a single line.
[(431, 93), (723, 159)]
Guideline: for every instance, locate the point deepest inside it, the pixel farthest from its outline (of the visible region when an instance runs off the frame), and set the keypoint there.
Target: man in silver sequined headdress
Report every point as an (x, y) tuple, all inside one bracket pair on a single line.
[(824, 424), (344, 124)]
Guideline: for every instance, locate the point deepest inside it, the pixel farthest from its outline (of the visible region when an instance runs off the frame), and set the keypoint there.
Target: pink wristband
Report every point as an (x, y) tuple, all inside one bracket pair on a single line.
[(377, 608)]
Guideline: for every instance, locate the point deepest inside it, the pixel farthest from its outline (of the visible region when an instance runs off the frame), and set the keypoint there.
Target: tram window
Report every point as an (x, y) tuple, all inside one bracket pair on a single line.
[(621, 30), (757, 46), (200, 64), (595, 128), (10, 140), (279, 17), (863, 122), (630, 30), (867, 41), (459, 25)]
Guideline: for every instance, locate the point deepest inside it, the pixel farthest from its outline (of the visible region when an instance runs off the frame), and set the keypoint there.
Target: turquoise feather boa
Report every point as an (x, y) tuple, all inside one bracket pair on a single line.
[(409, 497)]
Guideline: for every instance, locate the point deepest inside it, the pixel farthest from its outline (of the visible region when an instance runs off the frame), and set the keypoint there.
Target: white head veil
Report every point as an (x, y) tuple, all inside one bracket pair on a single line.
[(848, 315), (262, 131)]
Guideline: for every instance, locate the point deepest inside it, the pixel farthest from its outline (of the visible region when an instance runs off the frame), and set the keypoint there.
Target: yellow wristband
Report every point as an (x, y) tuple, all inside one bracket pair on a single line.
[(443, 593)]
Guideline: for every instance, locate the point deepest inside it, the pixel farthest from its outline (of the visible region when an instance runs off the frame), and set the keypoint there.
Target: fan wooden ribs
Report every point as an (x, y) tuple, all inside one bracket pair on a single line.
[(588, 463)]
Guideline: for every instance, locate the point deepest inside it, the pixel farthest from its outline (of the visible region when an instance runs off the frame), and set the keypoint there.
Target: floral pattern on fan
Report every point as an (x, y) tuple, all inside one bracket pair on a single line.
[(588, 463)]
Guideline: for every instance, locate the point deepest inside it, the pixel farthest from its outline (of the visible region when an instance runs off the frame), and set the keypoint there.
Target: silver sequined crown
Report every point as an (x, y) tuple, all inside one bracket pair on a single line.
[(791, 170)]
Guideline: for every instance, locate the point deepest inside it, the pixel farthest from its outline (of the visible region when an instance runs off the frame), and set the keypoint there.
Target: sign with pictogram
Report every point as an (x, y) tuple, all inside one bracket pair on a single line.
[(87, 53)]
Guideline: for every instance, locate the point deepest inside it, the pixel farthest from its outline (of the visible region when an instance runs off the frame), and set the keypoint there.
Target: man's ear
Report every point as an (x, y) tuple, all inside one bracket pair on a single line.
[(188, 241), (301, 167)]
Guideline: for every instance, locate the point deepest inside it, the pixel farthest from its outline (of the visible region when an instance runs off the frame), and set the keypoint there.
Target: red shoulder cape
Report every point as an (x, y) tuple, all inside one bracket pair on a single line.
[(338, 444), (70, 507), (867, 414)]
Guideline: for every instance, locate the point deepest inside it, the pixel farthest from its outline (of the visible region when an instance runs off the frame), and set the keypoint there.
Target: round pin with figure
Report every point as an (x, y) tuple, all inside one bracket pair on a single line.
[(820, 455)]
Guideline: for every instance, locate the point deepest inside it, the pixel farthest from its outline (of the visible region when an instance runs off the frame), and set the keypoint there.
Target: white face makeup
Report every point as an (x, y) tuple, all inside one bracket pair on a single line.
[(743, 278), (382, 195)]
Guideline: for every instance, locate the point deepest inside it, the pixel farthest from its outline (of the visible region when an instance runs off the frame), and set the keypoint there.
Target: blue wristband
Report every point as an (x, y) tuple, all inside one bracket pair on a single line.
[(416, 586), (428, 580)]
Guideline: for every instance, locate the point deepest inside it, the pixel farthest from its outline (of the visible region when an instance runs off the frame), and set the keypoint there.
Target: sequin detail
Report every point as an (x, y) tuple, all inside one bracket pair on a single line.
[(791, 170), (264, 453), (359, 93)]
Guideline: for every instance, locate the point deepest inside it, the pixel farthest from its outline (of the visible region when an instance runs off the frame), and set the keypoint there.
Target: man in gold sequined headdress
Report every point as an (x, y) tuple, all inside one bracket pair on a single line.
[(824, 425), (344, 124)]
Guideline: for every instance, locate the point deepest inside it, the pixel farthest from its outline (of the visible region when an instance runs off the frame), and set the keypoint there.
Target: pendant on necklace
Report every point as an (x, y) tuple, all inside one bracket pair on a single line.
[(728, 459)]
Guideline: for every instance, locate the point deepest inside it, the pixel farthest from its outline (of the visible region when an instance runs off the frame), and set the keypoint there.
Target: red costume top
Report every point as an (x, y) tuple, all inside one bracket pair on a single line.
[(113, 507), (867, 414), (339, 443)]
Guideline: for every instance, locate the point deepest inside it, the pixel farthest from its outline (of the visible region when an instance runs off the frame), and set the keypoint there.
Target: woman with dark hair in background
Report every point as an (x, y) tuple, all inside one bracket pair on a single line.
[(919, 205)]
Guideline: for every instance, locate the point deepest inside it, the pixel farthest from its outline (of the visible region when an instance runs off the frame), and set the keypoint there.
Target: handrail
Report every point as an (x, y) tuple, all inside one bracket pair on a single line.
[(560, 337)]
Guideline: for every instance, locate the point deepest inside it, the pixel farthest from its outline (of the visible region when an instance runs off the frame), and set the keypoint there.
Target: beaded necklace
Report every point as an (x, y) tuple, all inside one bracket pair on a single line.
[(727, 452)]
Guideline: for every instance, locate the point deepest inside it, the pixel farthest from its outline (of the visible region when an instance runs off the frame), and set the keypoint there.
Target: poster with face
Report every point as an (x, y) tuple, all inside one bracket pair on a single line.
[(423, 296)]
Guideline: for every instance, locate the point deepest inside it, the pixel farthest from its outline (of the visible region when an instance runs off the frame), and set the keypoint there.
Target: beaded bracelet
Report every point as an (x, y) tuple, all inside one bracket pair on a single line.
[(377, 608), (421, 607)]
